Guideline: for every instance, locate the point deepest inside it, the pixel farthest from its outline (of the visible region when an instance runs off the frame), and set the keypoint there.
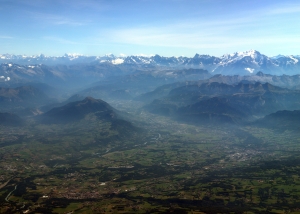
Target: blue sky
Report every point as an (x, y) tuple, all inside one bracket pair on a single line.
[(165, 27)]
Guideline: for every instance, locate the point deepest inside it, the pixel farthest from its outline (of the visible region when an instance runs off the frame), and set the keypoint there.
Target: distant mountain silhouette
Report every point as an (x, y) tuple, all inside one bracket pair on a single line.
[(215, 101), (214, 110), (140, 81), (211, 86), (160, 92), (21, 97)]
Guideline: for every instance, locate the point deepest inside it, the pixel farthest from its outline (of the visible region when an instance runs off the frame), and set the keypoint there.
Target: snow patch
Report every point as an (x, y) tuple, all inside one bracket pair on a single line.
[(169, 73), (75, 55), (145, 61), (250, 70), (117, 61), (295, 60), (5, 78)]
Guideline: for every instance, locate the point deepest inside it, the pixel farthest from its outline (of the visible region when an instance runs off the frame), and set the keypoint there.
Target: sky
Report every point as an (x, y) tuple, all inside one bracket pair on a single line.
[(147, 27)]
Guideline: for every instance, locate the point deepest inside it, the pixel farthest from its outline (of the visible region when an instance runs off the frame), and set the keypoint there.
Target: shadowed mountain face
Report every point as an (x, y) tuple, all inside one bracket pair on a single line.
[(22, 97), (75, 111), (281, 121), (214, 110), (8, 119), (90, 112), (73, 98)]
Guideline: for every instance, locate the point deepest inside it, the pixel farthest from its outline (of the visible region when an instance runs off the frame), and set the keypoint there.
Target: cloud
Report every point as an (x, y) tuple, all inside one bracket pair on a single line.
[(58, 19), (70, 42), (59, 40), (246, 28), (96, 5), (6, 37), (283, 9), (173, 36)]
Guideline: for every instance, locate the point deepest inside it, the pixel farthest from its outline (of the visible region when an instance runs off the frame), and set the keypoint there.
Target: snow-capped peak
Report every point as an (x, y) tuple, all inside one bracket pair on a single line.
[(247, 62), (110, 55), (287, 59), (255, 56), (73, 55), (252, 53)]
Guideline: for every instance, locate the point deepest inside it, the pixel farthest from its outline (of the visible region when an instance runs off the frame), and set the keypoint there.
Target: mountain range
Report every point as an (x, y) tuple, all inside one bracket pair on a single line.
[(281, 121), (242, 63), (214, 102), (234, 88)]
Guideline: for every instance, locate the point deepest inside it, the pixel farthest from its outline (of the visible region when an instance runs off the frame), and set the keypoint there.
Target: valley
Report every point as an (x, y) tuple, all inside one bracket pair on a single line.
[(168, 167), (149, 107), (148, 140)]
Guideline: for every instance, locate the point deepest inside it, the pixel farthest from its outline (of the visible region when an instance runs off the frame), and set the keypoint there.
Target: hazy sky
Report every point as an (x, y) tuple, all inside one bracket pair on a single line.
[(165, 27)]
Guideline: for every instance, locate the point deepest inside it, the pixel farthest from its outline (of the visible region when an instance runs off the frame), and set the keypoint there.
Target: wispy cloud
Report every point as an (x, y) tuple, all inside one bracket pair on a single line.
[(59, 40), (59, 20), (283, 9), (248, 28), (71, 42), (6, 37), (194, 40), (91, 5)]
